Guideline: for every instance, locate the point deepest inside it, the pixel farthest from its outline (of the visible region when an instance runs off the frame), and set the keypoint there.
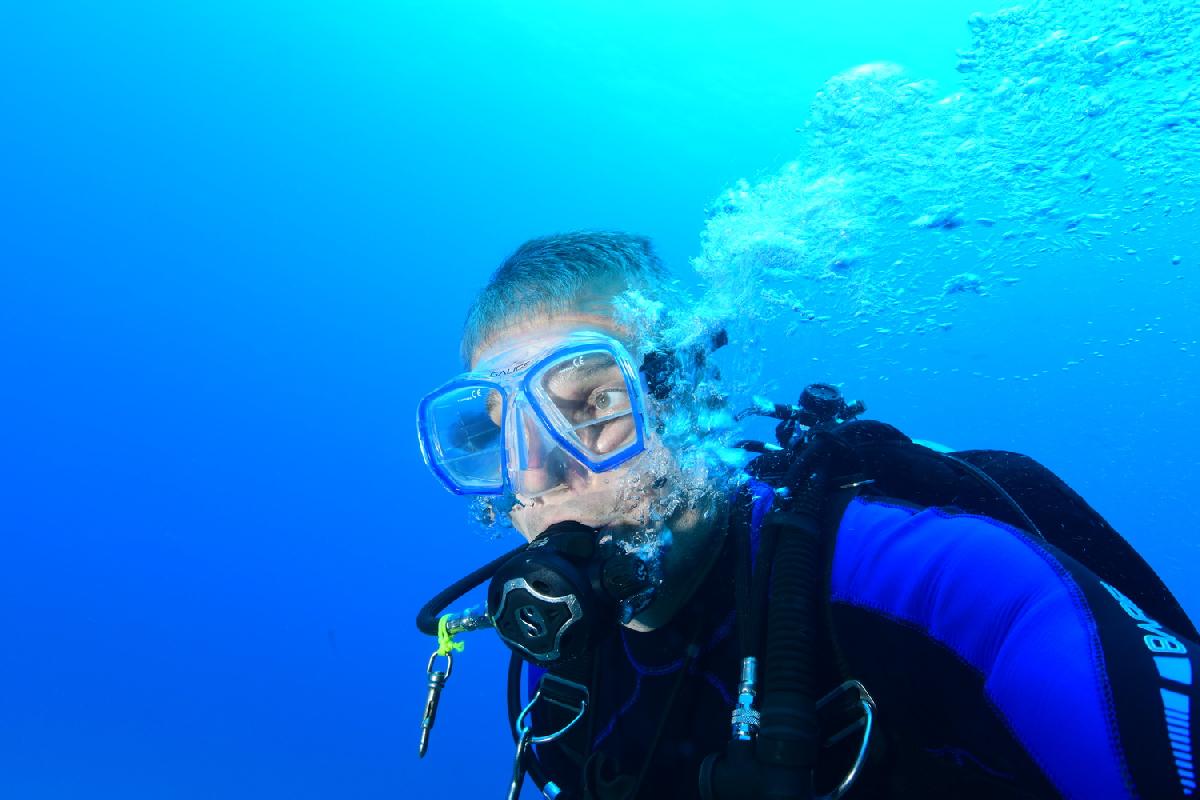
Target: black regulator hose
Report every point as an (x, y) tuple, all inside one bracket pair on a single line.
[(779, 764), (789, 735), (431, 612)]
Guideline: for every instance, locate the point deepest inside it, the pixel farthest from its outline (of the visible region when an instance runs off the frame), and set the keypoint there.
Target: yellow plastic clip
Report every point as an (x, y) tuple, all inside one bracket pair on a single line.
[(445, 639)]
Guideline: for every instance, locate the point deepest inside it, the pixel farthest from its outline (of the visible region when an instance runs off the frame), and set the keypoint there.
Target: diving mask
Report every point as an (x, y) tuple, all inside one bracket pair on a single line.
[(530, 419)]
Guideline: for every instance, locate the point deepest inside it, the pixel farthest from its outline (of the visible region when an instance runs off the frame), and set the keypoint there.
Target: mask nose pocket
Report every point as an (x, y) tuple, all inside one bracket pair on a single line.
[(538, 464), (528, 423)]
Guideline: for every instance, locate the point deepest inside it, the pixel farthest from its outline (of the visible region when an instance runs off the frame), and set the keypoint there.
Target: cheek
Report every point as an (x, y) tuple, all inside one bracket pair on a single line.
[(615, 435)]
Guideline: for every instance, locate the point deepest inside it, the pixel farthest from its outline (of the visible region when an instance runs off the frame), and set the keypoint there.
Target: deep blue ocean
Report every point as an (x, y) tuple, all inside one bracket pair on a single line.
[(238, 240)]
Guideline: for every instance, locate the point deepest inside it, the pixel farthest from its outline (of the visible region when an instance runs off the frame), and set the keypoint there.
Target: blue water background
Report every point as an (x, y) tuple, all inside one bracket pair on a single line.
[(236, 246)]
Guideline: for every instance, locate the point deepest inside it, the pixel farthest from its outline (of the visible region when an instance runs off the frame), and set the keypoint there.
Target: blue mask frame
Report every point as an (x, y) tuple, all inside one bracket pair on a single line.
[(522, 382)]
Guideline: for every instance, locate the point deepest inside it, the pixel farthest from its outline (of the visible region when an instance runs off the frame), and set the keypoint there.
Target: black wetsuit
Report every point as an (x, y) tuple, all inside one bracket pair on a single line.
[(1001, 668)]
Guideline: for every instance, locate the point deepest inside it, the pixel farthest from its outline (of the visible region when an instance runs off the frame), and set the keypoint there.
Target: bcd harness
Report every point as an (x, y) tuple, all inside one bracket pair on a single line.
[(786, 713)]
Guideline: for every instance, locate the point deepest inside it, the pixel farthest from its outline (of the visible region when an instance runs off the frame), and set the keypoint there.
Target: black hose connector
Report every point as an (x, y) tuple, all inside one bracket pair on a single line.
[(431, 612)]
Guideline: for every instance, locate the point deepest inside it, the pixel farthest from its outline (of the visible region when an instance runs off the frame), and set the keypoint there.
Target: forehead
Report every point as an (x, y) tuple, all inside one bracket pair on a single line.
[(519, 342)]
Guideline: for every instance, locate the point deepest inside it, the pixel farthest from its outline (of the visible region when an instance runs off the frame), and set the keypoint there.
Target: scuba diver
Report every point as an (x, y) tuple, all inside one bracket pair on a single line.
[(852, 614)]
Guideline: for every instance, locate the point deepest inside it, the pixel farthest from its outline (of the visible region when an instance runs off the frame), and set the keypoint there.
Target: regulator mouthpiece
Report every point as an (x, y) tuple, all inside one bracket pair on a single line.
[(550, 600)]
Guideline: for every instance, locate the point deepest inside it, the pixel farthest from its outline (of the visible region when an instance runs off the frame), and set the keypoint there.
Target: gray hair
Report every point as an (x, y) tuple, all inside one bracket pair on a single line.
[(561, 273)]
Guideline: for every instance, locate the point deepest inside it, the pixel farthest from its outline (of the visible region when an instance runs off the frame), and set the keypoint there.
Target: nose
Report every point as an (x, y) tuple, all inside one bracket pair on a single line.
[(539, 463)]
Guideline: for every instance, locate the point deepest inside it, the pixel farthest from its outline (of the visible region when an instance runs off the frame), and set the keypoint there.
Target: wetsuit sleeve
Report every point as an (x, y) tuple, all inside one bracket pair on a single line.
[(1012, 657)]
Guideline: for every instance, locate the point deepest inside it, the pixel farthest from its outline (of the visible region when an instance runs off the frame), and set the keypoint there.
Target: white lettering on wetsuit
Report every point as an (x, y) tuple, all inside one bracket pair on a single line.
[(1171, 660), (1157, 640)]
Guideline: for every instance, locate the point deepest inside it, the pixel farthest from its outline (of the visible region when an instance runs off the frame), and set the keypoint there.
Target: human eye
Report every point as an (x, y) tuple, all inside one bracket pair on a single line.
[(608, 401), (469, 418), (474, 431)]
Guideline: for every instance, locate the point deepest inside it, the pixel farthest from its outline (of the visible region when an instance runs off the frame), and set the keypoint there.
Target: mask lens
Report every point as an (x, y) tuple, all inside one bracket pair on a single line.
[(590, 401), (537, 463), (462, 427)]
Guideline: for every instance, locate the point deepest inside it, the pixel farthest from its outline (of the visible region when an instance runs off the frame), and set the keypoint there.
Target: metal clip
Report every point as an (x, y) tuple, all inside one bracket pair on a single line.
[(524, 732), (437, 682), (866, 722), (518, 777)]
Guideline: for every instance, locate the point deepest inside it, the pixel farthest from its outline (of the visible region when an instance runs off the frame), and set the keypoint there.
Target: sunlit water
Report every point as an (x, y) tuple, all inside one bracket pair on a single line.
[(238, 241), (1068, 156)]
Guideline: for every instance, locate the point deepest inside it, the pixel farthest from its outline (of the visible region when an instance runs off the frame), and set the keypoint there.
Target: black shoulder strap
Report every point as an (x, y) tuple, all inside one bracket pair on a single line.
[(1017, 490), (1074, 527)]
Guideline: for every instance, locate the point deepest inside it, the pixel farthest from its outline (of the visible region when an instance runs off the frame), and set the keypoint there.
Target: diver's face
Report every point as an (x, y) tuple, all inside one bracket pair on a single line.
[(558, 488), (638, 501)]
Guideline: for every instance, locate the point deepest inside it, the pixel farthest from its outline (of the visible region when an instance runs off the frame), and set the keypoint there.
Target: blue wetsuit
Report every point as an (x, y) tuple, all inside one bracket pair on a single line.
[(1001, 669)]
